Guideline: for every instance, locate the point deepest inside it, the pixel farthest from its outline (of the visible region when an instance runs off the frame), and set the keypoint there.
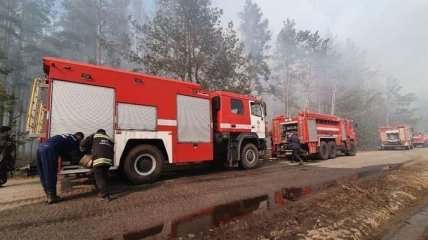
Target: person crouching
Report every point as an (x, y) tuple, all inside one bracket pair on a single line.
[(101, 147)]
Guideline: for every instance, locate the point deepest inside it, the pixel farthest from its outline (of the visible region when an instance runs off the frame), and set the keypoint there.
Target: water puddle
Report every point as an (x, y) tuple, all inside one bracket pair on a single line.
[(212, 217)]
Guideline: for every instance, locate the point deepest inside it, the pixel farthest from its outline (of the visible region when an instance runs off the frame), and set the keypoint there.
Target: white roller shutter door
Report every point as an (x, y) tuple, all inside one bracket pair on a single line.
[(139, 117), (80, 107), (193, 119)]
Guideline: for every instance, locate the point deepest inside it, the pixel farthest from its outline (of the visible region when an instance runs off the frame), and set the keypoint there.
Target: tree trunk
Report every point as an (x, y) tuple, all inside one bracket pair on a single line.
[(287, 91), (308, 87), (98, 34), (333, 98), (7, 29)]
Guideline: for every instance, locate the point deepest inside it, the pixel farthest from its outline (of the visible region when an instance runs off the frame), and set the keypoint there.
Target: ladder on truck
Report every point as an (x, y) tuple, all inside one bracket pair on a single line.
[(36, 110)]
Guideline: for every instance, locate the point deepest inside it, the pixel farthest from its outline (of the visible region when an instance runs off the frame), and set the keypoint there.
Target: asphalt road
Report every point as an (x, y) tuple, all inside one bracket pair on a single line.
[(138, 211)]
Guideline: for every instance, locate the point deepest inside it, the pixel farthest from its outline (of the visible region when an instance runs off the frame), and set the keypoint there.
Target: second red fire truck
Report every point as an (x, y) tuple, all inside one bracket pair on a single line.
[(154, 121), (319, 134), (397, 136)]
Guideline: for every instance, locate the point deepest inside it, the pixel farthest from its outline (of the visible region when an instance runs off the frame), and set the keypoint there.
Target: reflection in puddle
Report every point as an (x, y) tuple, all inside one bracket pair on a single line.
[(208, 218), (153, 231)]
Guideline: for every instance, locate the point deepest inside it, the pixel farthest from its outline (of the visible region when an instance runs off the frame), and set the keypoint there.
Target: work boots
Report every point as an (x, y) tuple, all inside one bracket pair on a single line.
[(52, 197)]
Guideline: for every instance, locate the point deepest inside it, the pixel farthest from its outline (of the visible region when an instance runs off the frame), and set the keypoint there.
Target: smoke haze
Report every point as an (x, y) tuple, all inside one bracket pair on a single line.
[(392, 33)]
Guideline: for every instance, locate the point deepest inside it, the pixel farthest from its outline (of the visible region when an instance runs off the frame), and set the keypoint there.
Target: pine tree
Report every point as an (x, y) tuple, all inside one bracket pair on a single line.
[(398, 106), (286, 55), (6, 100), (95, 31), (185, 41), (255, 36)]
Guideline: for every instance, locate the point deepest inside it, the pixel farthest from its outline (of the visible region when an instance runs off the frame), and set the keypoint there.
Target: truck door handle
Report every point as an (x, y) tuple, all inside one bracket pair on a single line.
[(253, 126), (233, 125)]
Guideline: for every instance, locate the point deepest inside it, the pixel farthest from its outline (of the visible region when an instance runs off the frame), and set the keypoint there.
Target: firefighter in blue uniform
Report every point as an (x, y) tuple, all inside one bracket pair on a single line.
[(294, 145), (101, 147), (47, 160)]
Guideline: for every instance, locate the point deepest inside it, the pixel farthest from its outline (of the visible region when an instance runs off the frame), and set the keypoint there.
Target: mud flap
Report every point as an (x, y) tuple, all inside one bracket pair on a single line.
[(233, 154)]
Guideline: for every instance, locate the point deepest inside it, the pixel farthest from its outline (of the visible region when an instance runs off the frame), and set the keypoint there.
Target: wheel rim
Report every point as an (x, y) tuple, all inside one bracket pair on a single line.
[(250, 156), (145, 164)]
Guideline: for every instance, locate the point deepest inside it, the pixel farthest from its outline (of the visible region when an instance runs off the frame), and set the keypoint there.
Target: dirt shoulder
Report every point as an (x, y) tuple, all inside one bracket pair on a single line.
[(183, 201), (364, 210)]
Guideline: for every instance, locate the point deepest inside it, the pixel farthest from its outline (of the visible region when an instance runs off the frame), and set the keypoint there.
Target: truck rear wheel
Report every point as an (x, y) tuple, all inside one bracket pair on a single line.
[(324, 151), (352, 149), (249, 156), (143, 164), (332, 150)]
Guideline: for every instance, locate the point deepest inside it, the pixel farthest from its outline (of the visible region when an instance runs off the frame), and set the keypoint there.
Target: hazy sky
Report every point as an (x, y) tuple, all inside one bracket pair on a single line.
[(394, 33)]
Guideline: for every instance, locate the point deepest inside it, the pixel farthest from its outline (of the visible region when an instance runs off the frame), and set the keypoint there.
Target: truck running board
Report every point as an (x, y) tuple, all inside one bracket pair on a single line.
[(77, 169), (74, 169)]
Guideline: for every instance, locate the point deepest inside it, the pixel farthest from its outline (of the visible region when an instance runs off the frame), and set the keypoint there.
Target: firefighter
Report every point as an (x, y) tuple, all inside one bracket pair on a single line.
[(7, 147), (294, 144), (47, 160), (100, 145)]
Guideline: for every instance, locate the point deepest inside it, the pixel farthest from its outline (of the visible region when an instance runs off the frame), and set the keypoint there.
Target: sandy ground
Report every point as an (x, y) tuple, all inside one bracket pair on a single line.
[(368, 209), (274, 199)]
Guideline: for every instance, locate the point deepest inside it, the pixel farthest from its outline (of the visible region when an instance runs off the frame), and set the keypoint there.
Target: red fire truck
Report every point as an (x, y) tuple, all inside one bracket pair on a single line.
[(397, 136), (319, 134), (420, 139), (154, 121)]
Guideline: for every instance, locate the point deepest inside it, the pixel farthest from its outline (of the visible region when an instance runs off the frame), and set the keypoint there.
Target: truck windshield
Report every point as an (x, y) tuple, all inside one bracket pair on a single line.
[(256, 109)]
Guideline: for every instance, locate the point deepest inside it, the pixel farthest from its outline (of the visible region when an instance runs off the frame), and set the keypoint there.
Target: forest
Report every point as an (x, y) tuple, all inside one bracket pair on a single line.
[(294, 70)]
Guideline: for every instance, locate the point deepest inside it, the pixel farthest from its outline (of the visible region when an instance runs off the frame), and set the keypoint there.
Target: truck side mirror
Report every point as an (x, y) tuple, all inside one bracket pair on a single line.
[(264, 109)]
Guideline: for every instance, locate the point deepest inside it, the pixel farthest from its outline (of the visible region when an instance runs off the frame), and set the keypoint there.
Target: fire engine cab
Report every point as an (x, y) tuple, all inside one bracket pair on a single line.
[(154, 121)]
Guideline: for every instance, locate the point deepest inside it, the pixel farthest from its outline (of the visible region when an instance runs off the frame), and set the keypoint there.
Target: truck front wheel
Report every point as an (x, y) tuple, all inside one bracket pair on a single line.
[(249, 156), (143, 164), (352, 149), (332, 150), (324, 151)]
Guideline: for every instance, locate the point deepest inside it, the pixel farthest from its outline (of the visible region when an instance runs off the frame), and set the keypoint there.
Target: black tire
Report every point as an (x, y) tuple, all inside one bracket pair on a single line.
[(352, 149), (249, 156), (332, 150), (3, 177), (143, 164), (324, 151)]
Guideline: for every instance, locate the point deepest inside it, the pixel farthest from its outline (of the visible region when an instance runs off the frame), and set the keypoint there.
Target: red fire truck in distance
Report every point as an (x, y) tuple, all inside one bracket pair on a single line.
[(397, 136), (319, 134), (154, 121), (420, 139)]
